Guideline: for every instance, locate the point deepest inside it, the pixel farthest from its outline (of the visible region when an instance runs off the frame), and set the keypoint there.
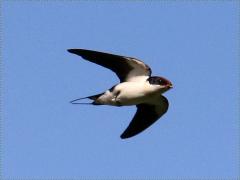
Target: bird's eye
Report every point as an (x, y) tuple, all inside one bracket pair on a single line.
[(161, 82), (157, 81)]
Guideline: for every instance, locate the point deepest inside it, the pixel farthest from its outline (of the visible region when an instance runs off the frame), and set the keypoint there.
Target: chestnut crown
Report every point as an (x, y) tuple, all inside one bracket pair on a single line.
[(156, 80)]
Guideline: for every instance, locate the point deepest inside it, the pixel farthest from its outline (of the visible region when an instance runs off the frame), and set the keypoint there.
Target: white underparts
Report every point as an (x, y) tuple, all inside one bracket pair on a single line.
[(130, 93)]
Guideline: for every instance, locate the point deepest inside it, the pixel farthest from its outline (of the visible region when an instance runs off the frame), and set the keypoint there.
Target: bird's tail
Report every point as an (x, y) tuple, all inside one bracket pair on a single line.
[(94, 97)]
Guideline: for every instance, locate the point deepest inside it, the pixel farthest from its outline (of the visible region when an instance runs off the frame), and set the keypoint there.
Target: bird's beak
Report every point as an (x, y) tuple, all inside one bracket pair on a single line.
[(170, 85)]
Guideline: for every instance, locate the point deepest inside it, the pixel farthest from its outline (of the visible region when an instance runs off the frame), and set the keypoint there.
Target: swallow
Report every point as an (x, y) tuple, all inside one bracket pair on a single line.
[(137, 87)]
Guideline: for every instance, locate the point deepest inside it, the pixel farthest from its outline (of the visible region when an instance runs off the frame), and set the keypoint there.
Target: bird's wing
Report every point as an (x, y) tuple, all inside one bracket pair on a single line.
[(145, 116), (126, 68)]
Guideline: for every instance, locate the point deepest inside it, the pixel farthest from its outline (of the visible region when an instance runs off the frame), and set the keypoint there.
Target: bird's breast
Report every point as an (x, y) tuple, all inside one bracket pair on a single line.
[(132, 93)]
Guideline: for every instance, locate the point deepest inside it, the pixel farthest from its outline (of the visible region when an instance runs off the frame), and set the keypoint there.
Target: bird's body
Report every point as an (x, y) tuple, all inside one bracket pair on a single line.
[(130, 93), (136, 87)]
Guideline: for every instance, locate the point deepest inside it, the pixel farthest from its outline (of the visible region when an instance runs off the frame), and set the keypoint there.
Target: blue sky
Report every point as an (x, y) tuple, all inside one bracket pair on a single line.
[(192, 43)]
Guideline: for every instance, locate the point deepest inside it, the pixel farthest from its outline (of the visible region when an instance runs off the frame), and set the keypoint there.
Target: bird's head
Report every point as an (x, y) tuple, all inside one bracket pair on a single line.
[(161, 83)]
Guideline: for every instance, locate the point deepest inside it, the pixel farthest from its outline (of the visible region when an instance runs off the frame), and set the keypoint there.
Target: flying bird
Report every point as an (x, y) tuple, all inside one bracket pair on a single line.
[(136, 87)]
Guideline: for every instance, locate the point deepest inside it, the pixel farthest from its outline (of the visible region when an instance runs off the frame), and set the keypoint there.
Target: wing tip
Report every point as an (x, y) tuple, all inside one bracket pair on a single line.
[(123, 137), (80, 52), (72, 50), (126, 135)]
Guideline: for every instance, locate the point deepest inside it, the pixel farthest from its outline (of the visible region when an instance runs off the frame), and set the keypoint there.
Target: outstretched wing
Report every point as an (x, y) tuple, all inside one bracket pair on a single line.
[(145, 116), (126, 68)]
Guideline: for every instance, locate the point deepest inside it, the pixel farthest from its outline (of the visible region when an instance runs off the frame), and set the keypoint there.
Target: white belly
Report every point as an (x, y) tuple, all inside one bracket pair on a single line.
[(131, 93), (128, 93)]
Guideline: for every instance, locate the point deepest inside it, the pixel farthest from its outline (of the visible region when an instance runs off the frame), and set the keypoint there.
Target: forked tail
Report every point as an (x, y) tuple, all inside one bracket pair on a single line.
[(94, 97)]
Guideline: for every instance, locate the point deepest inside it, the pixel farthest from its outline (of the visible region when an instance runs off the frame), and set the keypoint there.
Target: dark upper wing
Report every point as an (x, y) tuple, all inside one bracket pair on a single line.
[(126, 68), (145, 116)]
